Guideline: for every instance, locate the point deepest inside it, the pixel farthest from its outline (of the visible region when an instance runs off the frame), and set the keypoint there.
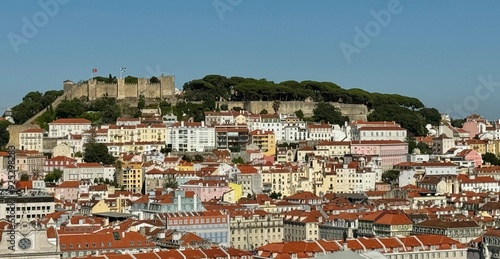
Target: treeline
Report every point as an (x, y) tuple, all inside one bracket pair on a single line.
[(217, 87), (32, 103), (407, 111), (104, 110)]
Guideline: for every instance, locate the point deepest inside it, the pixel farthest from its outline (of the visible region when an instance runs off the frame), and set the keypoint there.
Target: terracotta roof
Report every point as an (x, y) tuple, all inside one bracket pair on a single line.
[(32, 131), (69, 184), (71, 121)]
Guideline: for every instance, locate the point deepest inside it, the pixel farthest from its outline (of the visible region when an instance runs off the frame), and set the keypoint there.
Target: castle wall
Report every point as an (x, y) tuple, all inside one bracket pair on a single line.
[(105, 90), (93, 89), (354, 111), (130, 90)]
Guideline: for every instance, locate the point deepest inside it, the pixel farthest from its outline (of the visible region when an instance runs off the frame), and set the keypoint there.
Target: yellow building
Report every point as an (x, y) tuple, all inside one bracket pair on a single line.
[(286, 181), (185, 166), (265, 140), (234, 194), (131, 177), (137, 133)]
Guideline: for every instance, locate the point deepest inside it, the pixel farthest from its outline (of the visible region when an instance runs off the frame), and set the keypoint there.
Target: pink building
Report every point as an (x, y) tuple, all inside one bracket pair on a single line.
[(474, 124), (471, 155), (206, 189), (67, 190), (391, 152), (58, 162)]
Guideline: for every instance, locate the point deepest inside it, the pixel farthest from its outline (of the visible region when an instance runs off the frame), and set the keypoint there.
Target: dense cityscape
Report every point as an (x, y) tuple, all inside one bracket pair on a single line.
[(242, 184), (236, 129)]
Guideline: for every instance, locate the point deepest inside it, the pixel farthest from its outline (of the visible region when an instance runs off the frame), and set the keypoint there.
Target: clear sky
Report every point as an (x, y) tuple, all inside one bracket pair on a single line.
[(433, 50)]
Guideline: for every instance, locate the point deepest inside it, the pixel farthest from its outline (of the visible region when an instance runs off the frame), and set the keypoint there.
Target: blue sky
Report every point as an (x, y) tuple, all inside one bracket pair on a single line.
[(432, 50)]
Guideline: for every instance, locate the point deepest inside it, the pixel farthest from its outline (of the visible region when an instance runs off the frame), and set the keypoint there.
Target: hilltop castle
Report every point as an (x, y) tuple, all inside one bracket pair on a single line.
[(94, 89)]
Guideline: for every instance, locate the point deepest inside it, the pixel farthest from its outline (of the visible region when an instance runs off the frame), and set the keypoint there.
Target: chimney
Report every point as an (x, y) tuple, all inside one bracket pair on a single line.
[(182, 123), (202, 124)]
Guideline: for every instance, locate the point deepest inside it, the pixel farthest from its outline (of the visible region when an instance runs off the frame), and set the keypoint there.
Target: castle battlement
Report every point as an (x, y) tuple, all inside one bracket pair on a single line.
[(94, 89)]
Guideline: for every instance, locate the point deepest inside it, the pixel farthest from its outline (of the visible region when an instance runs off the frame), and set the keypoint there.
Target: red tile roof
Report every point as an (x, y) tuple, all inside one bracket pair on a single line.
[(71, 121)]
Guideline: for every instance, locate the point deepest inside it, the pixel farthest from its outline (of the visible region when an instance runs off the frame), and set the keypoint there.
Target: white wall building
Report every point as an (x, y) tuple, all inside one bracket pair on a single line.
[(64, 127), (190, 137), (31, 139), (80, 171)]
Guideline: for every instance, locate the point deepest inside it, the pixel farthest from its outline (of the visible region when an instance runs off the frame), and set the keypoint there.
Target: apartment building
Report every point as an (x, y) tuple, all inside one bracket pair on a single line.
[(64, 127), (250, 179), (31, 139), (319, 131), (264, 140), (231, 137), (191, 137), (211, 225), (78, 171), (29, 204), (254, 228), (391, 152)]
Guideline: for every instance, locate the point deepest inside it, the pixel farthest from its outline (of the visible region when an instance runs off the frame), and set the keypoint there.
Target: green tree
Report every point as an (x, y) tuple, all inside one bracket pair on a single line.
[(186, 158), (4, 134), (264, 111), (276, 105), (72, 108), (431, 115), (299, 114), (154, 80), (224, 107), (54, 176), (238, 160), (390, 176), (171, 183), (97, 153), (457, 123), (328, 113), (275, 195), (490, 158), (25, 177)]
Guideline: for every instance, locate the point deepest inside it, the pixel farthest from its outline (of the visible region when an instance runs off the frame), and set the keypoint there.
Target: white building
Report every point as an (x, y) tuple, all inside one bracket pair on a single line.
[(64, 127), (190, 137), (319, 131), (31, 139), (478, 183), (294, 133), (269, 122), (80, 171), (379, 133)]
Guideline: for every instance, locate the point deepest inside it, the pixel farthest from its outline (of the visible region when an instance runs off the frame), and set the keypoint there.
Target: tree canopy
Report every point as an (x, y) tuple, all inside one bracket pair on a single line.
[(32, 103), (97, 153), (326, 112)]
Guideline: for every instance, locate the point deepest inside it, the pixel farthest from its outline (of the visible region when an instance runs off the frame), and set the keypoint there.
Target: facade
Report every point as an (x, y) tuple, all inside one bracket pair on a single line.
[(265, 141), (68, 190), (58, 162), (250, 180), (63, 127), (191, 137), (253, 228), (207, 189), (463, 230), (78, 171), (441, 144), (131, 177), (319, 131), (379, 133), (29, 241), (233, 138), (391, 152), (29, 204), (211, 225), (31, 139), (173, 201)]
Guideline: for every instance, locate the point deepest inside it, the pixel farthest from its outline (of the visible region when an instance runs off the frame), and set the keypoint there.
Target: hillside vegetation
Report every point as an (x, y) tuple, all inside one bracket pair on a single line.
[(201, 95)]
